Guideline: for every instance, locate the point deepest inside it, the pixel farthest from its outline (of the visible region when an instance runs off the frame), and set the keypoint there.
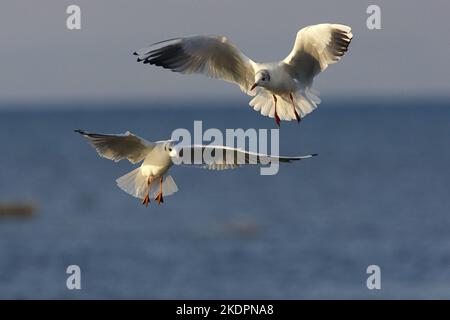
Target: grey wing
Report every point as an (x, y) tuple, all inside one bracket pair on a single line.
[(221, 157), (315, 48), (119, 146), (214, 56)]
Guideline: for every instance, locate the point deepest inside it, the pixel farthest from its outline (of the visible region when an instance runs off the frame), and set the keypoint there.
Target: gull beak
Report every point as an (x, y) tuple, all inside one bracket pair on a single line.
[(253, 86)]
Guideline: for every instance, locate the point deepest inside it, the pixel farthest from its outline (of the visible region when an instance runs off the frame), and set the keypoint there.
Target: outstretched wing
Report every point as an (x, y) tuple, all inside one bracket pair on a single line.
[(221, 157), (214, 56), (119, 146), (315, 48)]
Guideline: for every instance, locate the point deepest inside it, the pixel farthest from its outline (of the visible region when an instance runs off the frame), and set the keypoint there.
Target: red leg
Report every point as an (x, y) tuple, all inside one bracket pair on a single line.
[(277, 118), (159, 196), (295, 110), (146, 199)]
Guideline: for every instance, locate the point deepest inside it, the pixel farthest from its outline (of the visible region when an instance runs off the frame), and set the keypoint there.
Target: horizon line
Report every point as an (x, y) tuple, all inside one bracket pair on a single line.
[(208, 102)]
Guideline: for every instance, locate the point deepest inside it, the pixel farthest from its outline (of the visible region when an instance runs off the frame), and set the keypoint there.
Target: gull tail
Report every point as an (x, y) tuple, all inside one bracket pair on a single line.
[(134, 183), (305, 102), (169, 186), (137, 184)]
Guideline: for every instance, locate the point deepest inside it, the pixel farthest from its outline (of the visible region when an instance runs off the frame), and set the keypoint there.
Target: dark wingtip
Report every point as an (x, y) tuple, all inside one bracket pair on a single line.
[(80, 131), (135, 53), (314, 155)]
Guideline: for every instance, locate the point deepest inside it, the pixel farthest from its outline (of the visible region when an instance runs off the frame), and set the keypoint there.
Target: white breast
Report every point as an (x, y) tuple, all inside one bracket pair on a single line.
[(280, 81), (152, 170), (157, 162)]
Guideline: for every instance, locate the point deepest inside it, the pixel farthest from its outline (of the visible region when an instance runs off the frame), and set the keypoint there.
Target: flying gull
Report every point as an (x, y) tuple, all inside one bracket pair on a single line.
[(151, 179), (283, 88)]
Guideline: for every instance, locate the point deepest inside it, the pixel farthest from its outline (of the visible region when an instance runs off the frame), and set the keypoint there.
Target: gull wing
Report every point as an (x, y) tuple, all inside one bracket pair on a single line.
[(213, 56), (315, 48), (119, 146), (222, 157)]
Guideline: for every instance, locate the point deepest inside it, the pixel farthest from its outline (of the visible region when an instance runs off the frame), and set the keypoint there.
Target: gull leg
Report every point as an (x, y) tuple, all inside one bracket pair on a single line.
[(295, 110), (277, 118), (146, 199), (159, 196)]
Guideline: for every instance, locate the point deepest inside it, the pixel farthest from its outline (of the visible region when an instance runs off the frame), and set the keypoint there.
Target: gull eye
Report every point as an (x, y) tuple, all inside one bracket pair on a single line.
[(170, 149)]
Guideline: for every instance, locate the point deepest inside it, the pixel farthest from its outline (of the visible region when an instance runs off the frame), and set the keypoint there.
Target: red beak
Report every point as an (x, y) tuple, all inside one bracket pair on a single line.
[(253, 86)]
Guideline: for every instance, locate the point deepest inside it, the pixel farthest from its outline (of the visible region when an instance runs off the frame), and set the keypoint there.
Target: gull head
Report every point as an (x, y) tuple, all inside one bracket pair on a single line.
[(169, 148), (262, 79)]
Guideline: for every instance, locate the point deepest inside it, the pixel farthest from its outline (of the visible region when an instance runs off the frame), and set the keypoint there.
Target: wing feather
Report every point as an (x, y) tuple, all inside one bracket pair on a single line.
[(119, 146), (222, 157), (315, 48), (214, 56)]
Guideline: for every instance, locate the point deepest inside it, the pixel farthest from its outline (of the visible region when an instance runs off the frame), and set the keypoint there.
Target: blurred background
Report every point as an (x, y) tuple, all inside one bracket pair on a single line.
[(377, 194)]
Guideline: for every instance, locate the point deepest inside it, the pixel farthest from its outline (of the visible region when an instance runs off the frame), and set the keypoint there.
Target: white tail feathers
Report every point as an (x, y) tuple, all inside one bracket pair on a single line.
[(306, 101), (136, 184), (169, 186)]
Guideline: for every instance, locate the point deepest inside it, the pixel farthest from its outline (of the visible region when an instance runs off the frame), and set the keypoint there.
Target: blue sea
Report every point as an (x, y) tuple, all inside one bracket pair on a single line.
[(377, 194)]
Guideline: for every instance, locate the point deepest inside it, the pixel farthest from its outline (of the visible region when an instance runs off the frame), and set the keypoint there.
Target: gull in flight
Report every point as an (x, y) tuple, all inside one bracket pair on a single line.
[(283, 89), (151, 180)]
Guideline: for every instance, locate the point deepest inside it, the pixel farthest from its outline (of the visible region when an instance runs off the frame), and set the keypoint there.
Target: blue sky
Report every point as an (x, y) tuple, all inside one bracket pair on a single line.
[(43, 61)]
